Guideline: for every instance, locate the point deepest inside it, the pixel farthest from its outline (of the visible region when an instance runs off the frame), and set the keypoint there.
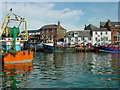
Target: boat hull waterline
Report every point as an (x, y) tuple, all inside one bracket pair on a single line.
[(58, 49), (107, 49)]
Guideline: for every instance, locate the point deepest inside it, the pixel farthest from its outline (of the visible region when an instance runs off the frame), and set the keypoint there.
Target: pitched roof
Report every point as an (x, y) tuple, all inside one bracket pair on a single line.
[(109, 23), (90, 27), (85, 33), (52, 26), (101, 29)]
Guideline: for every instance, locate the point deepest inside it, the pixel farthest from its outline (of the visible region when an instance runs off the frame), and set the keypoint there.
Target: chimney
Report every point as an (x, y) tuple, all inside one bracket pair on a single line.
[(58, 23), (109, 22), (85, 27)]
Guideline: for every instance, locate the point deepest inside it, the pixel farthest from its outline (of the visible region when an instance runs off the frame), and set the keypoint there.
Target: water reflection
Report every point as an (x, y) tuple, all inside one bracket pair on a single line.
[(65, 70), (16, 74), (77, 69)]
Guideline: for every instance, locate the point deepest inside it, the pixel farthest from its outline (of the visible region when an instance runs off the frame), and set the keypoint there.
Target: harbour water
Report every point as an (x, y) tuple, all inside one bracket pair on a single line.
[(64, 70)]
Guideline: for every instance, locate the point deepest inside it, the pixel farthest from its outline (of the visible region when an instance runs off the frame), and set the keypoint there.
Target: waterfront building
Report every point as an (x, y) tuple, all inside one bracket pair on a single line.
[(90, 35), (100, 35), (52, 32), (78, 37), (114, 27)]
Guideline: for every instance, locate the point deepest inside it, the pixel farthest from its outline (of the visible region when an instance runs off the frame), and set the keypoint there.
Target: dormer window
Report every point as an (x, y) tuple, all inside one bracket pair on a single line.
[(75, 34), (116, 25)]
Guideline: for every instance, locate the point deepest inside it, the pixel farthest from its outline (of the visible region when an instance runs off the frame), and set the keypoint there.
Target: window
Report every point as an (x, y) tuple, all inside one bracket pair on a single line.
[(115, 37), (96, 39), (83, 38), (89, 38), (119, 38), (47, 31), (95, 32), (116, 25), (76, 33), (52, 36), (106, 38), (52, 30), (42, 36), (42, 31), (46, 36), (106, 32), (79, 40), (102, 38)]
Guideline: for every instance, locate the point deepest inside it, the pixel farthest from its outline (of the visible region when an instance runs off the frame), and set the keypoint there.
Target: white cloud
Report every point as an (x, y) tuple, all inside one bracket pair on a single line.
[(39, 14)]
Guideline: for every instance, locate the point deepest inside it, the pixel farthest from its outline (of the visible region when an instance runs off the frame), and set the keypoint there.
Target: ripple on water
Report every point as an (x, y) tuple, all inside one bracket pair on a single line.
[(70, 70)]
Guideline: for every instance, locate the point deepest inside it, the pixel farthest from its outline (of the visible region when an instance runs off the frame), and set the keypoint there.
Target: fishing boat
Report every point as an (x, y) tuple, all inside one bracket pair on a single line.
[(50, 47), (39, 47), (11, 49), (108, 48)]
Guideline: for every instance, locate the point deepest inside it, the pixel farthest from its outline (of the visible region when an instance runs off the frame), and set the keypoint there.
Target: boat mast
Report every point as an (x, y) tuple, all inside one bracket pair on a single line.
[(5, 29)]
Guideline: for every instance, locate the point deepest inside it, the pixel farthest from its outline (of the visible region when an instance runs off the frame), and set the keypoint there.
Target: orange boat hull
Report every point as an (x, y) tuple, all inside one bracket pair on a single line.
[(20, 56)]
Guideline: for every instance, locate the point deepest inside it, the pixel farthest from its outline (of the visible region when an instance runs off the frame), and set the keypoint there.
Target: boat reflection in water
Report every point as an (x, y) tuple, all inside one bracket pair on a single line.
[(15, 74)]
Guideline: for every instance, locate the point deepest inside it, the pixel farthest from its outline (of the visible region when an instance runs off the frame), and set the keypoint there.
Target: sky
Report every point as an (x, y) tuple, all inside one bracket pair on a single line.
[(72, 15)]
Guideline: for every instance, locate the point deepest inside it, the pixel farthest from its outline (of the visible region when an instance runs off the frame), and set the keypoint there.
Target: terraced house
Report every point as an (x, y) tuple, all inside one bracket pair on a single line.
[(114, 27), (91, 34), (78, 37)]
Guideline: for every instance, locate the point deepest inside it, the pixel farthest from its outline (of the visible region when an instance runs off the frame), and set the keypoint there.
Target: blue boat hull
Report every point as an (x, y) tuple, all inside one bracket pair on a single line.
[(52, 48), (106, 49), (58, 49)]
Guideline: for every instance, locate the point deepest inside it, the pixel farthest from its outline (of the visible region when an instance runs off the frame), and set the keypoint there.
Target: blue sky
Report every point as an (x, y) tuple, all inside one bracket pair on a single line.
[(72, 15)]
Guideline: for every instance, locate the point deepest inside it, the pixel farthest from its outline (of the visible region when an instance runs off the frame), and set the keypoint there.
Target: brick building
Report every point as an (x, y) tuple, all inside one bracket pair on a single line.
[(52, 32), (114, 27)]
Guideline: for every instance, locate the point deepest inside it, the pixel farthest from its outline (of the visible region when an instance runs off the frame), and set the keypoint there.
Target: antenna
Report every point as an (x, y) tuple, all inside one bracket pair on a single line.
[(25, 9), (6, 7)]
